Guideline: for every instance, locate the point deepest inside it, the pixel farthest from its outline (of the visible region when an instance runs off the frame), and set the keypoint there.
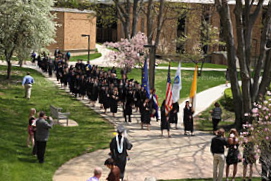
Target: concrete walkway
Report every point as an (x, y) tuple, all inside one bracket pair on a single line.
[(152, 155)]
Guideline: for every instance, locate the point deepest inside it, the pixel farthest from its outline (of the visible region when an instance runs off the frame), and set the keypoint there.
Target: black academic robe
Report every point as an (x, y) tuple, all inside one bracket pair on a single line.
[(164, 121), (145, 113), (94, 92), (188, 119), (114, 103), (173, 116), (120, 157)]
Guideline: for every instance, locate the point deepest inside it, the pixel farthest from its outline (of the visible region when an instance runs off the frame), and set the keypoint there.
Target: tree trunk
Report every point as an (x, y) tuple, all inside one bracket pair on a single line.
[(159, 22), (135, 18), (266, 78), (242, 57), (223, 10), (150, 22), (256, 89), (8, 69)]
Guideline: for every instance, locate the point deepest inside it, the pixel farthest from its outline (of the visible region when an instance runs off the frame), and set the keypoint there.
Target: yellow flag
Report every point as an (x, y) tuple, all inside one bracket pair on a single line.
[(193, 89)]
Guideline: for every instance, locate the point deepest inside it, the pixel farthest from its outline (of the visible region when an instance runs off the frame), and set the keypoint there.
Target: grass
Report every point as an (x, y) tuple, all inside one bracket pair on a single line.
[(85, 57), (64, 143), (205, 65), (207, 80)]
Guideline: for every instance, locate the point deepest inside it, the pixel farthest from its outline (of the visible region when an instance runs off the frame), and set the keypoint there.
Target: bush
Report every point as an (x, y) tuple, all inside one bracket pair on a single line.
[(228, 100)]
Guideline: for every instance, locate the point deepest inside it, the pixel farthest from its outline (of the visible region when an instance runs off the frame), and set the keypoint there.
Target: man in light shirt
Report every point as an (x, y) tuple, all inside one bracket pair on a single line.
[(27, 83), (97, 174)]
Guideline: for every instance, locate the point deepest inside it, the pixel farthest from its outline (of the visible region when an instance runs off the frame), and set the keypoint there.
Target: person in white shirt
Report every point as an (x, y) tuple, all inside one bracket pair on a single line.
[(97, 174)]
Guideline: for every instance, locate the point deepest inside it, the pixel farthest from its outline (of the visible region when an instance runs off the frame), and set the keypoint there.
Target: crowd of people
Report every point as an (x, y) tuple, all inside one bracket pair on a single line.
[(38, 133), (233, 156), (109, 89)]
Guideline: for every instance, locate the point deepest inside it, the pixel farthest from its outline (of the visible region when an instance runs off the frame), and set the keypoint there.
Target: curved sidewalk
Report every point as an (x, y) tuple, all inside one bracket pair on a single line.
[(152, 155)]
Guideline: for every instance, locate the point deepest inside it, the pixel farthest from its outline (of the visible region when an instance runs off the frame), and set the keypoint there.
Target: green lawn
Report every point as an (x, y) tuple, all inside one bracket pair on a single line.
[(207, 80), (64, 143), (205, 65), (85, 57)]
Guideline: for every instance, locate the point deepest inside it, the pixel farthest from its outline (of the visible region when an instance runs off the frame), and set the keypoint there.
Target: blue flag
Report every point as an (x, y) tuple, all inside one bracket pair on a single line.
[(145, 79)]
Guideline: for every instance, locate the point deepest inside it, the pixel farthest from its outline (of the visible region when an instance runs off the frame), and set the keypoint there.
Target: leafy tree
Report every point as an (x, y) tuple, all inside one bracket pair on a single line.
[(25, 25), (239, 51)]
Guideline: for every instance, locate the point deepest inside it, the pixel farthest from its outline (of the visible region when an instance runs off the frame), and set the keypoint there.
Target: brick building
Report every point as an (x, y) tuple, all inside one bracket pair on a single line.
[(199, 10), (72, 24)]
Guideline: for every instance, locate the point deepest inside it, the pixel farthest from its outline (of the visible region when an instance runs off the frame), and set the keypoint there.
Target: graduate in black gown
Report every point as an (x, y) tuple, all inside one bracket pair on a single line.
[(118, 150), (106, 95), (145, 114), (94, 92), (188, 118), (76, 85), (164, 120), (127, 106), (173, 116), (114, 101), (83, 86)]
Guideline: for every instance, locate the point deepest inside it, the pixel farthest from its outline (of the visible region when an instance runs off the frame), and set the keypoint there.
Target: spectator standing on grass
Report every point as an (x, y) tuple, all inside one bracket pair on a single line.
[(118, 149), (233, 153), (43, 124), (218, 148), (27, 83), (30, 128), (216, 116), (97, 174)]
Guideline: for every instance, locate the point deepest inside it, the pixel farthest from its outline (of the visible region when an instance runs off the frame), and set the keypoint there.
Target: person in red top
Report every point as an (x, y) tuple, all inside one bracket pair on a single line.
[(30, 129), (114, 174)]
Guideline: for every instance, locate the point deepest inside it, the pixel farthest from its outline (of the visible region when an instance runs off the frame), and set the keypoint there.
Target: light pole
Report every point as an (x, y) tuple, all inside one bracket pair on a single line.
[(84, 35), (152, 51)]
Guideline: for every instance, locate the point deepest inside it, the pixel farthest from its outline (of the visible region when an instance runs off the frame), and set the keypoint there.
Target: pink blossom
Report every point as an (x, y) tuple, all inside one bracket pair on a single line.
[(245, 140), (267, 137), (255, 110)]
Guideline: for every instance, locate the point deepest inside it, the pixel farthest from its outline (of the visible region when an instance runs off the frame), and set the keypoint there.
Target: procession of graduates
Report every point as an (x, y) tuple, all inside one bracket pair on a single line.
[(96, 84)]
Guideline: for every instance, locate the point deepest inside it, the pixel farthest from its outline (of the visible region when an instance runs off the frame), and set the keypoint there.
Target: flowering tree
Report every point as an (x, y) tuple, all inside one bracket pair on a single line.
[(25, 26), (258, 126), (128, 52)]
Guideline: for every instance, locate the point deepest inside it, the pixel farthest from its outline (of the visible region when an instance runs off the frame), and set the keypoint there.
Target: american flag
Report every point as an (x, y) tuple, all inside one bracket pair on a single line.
[(168, 103)]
